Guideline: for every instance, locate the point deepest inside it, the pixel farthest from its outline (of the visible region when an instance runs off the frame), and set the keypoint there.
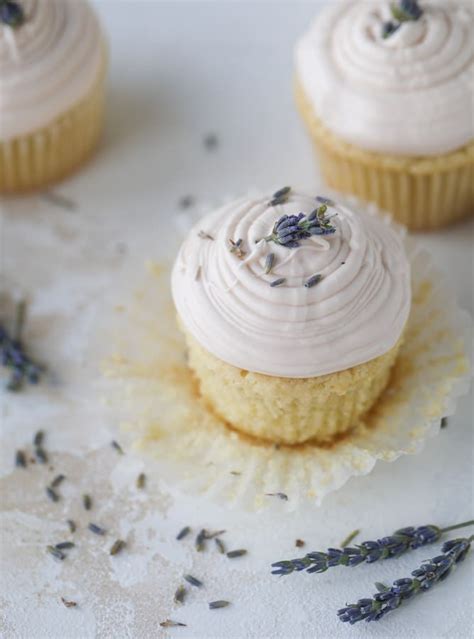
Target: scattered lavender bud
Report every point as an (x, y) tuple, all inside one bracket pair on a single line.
[(269, 262), (65, 545), (41, 455), (186, 202), (278, 282), (236, 248), (280, 197), (57, 199), (69, 604), (205, 236), (211, 141), (72, 525), (325, 200), (52, 494), (97, 530), (220, 545), (117, 447), (87, 502), (117, 546), (313, 280), (193, 581), (232, 554), (141, 480), (57, 480), (169, 623), (20, 459), (219, 604), (56, 553), (183, 533), (180, 594), (200, 540), (281, 496)]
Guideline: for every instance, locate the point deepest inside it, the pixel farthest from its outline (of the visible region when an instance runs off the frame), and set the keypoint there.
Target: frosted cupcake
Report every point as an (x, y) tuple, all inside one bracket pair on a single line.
[(386, 91), (52, 68), (293, 308)]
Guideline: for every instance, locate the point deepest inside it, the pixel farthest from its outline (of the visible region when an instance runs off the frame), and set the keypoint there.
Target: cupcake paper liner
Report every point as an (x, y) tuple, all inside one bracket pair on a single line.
[(37, 159), (421, 193), (151, 391)]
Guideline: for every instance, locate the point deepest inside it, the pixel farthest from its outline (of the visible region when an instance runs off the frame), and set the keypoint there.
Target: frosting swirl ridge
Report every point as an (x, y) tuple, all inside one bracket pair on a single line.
[(410, 93), (47, 64), (356, 312)]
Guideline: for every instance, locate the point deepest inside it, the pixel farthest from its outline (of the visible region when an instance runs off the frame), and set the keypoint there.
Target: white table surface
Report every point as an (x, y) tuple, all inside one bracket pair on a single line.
[(178, 71)]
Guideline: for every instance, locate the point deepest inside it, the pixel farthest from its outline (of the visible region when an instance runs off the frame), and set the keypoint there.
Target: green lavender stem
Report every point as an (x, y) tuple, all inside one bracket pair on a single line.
[(423, 578), (368, 551)]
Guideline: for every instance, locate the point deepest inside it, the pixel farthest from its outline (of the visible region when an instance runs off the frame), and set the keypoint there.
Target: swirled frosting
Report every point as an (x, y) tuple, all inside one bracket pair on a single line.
[(47, 64), (408, 94), (355, 313)]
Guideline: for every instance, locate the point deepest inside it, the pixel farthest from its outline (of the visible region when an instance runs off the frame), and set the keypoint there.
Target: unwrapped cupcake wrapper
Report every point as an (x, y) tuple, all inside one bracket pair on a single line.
[(152, 393), (420, 193), (35, 160)]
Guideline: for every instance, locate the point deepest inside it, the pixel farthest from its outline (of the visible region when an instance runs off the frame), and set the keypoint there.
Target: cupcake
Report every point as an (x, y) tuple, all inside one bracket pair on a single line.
[(386, 91), (52, 69), (293, 309)]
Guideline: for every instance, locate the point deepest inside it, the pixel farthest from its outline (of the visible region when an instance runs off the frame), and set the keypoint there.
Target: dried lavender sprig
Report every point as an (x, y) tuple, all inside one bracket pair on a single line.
[(289, 230), (13, 356), (368, 551), (427, 575)]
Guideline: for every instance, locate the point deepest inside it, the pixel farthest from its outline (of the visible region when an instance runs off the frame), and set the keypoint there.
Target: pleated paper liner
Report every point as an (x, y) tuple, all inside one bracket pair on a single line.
[(152, 393), (421, 193), (42, 157)]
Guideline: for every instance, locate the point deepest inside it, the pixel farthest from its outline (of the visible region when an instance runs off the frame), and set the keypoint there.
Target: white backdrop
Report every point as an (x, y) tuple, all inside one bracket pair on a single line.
[(178, 71)]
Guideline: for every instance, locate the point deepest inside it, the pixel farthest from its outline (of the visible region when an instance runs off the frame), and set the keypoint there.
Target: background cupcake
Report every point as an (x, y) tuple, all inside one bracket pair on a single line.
[(52, 69), (386, 91), (293, 310)]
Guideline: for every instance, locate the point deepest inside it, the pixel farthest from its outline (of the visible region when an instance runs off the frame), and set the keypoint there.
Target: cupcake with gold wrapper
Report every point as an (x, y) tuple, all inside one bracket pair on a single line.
[(52, 70), (386, 90), (293, 308)]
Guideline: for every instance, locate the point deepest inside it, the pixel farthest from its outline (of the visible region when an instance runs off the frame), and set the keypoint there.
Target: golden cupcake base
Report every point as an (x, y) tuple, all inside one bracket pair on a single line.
[(45, 156), (421, 193), (286, 410)]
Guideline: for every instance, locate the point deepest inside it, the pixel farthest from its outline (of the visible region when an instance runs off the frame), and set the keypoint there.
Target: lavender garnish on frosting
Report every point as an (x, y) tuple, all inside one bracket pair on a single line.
[(288, 230), (403, 11), (11, 13), (237, 248)]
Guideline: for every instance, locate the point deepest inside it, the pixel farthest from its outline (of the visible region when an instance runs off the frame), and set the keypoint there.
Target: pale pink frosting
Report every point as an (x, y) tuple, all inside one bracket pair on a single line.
[(409, 94), (356, 312), (48, 64)]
